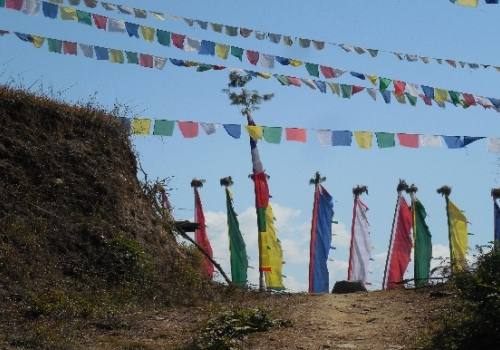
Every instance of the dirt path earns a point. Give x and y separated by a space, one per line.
375 320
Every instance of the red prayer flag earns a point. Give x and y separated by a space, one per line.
261 190
399 87
188 129
178 40
14 4
469 100
200 235
100 21
327 72
400 248
294 81
146 60
69 48
356 89
408 140
253 57
295 134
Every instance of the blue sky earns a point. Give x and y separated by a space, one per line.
430 28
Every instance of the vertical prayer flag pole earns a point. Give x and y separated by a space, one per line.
360 247
316 181
445 191
495 193
401 187
411 190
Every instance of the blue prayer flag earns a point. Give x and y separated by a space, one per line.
341 138
49 10
132 29
101 53
492 1
178 63
470 139
428 91
24 37
321 85
358 75
386 94
283 60
495 102
207 48
453 141
234 130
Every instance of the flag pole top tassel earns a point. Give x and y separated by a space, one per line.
402 186
444 191
412 189
495 193
226 181
197 183
317 179
359 190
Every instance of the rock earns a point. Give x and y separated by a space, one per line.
342 287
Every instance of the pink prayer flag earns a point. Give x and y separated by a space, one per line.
427 100
399 87
218 67
69 48
100 21
178 40
295 134
328 72
146 60
253 57
294 81
188 129
469 99
14 4
356 89
408 140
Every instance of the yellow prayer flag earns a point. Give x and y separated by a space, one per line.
363 139
373 79
440 95
458 237
469 3
271 253
38 41
264 75
222 50
116 56
255 132
295 63
141 126
68 13
148 33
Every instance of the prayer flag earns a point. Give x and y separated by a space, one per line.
318 45
87 50
294 81
295 63
327 72
430 141
163 37
54 45
253 57
69 48
260 35
321 241
146 60
188 129
237 248
358 75
49 10
423 245
116 25
244 32
209 128
335 87
309 83
428 91
341 138
267 61
148 33
68 13
90 3
159 62
274 38
109 7
400 98
384 83
14 4
231 31
38 41
398 256
363 139
207 48
178 40
346 90
31 7
84 17
467 140
324 137
283 60
468 100
272 254
312 69
304 43
385 139
191 45
100 21
164 127
399 87
321 85
139 13
132 29
256 132
440 95
453 141
373 93
141 126
222 51
373 79
457 225
237 52
296 134
233 130
412 99
373 52
132 57
356 89
125 9
386 95
468 3
216 27
272 134
408 140
361 246
494 145
116 56
200 234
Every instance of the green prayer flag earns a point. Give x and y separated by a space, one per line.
282 79
231 31
346 90
237 248
216 27
423 245
312 69
261 219
203 67
237 52
385 139
132 57
164 127
84 17
455 97
2 3
412 99
163 37
272 134
384 83
54 45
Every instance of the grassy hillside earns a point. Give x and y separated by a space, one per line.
78 237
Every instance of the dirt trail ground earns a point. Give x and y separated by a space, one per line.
376 320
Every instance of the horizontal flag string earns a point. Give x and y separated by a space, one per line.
403 90
275 38
342 90
326 137
473 3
